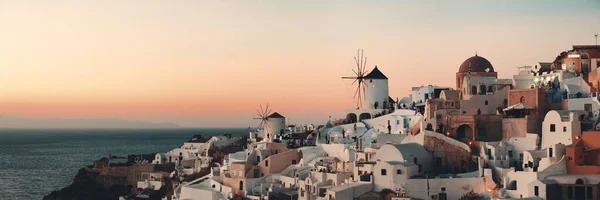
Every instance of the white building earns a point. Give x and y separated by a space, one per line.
561 126
398 122
524 78
423 93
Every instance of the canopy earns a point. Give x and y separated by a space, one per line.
519 106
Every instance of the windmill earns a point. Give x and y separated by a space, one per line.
359 77
263 116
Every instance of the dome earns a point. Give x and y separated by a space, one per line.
476 64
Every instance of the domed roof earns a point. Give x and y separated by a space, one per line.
476 64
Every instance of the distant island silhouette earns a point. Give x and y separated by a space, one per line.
76 123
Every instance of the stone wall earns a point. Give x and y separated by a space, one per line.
519 127
448 157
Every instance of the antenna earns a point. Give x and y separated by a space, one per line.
596 36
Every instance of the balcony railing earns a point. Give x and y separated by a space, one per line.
581 95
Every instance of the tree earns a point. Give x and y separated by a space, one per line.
471 195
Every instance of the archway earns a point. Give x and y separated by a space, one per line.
364 116
351 118
473 90
464 132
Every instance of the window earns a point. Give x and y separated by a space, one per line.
564 129
550 152
570 192
383 172
536 191
257 158
398 171
510 154
266 163
590 193
241 185
552 127
482 89
521 156
481 132
486 102
397 121
294 162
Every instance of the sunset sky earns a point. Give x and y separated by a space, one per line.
212 63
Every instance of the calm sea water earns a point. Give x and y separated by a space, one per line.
34 163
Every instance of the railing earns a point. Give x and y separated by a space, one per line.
581 95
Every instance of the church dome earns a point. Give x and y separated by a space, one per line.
476 64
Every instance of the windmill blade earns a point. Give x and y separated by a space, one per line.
365 67
267 111
354 81
260 125
362 54
355 72
261 110
357 91
259 114
346 77
356 61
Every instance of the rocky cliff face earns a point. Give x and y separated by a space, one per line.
89 186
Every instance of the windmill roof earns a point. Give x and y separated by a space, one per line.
275 115
375 74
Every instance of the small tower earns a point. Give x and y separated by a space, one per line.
376 90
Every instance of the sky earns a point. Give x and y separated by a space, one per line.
213 63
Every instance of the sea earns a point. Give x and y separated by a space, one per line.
35 162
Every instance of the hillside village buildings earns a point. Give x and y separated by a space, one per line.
533 136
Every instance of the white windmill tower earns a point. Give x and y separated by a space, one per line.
271 124
377 92
372 87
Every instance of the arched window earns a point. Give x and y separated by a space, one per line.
490 89
241 185
473 90
486 102
579 181
522 99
